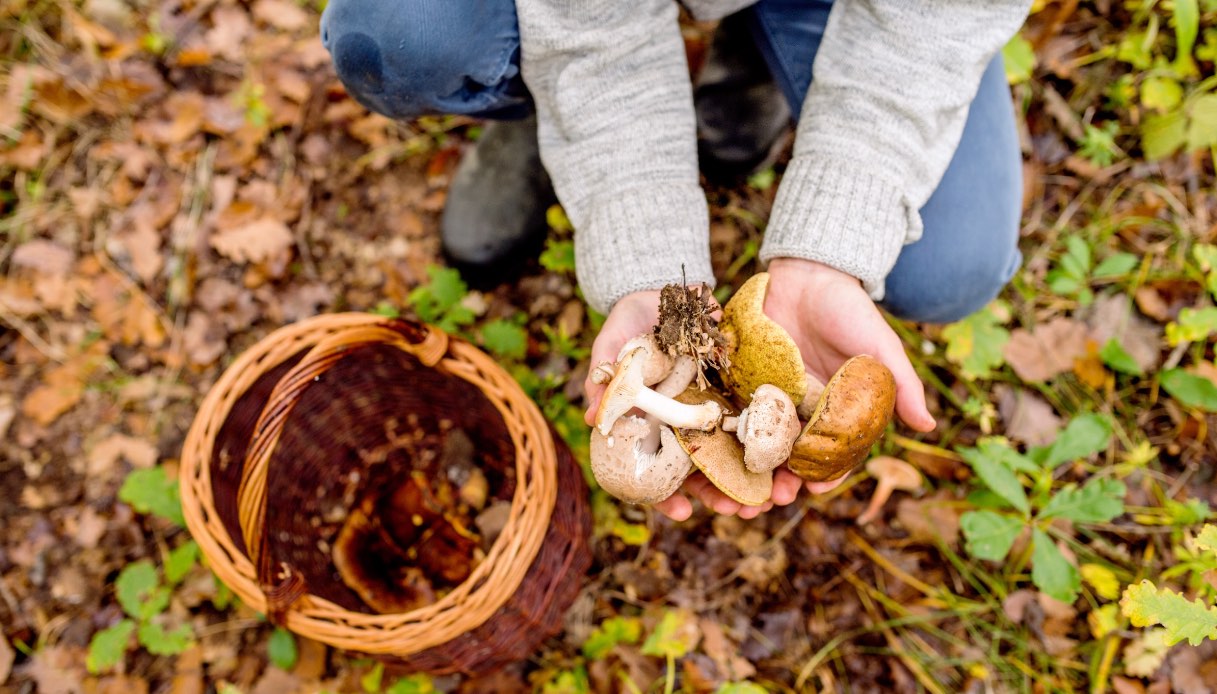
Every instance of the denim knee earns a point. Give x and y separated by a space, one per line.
951 287
406 58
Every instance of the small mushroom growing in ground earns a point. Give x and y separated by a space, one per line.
767 427
639 462
850 416
626 391
720 456
891 474
760 350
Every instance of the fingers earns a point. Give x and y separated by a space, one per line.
676 507
710 496
910 393
785 486
824 487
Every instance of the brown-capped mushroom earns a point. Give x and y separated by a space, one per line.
639 462
720 456
767 427
891 474
626 391
760 350
374 567
850 415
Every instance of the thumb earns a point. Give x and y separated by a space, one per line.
910 392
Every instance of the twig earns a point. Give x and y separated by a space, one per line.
31 335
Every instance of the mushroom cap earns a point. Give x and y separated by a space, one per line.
720 456
657 363
851 414
373 568
625 470
684 371
769 429
761 351
621 391
894 472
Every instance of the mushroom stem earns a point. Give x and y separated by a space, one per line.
677 414
883 492
733 422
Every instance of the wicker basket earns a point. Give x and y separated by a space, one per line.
292 420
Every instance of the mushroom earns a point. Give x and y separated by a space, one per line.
684 370
720 456
892 474
639 462
374 567
760 350
767 427
626 391
658 363
814 389
850 415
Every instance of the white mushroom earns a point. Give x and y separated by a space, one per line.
684 370
892 474
659 364
626 391
767 427
639 462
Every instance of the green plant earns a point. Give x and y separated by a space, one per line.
144 598
151 491
1098 143
1019 496
1145 603
975 343
439 302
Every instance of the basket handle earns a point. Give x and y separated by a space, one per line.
282 586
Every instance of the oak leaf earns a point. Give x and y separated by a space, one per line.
256 242
1047 351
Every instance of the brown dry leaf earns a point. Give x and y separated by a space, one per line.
57 102
1015 604
43 256
930 520
63 386
188 672
256 242
310 665
204 339
302 301
57 669
281 14
1047 351
8 412
1194 670
231 28
1027 416
27 154
1112 317
105 454
88 528
186 111
16 96
1123 685
142 246
276 681
116 684
1089 367
123 318
724 653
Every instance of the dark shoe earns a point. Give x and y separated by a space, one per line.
494 219
741 113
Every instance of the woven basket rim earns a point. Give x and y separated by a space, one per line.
468 605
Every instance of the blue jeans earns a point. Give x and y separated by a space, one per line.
405 58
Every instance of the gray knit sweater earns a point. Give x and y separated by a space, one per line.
893 81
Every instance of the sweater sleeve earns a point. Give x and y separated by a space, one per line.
617 134
886 109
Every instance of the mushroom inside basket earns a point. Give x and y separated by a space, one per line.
388 485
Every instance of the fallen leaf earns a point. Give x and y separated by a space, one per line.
1015 604
188 672
1123 685
256 242
276 681
63 386
43 256
109 451
1112 317
1188 672
1146 653
1089 367
27 154
1049 350
204 339
8 412
143 249
723 652
231 28
280 14
57 669
930 520
1027 416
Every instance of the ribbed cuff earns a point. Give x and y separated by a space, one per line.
828 211
637 239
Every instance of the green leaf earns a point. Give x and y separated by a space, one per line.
371 680
1099 146
150 490
1019 59
1077 259
1116 265
505 339
180 561
414 684
109 646
611 632
1051 572
1085 435
1104 581
990 535
558 256
1117 358
281 649
1206 257
161 642
1192 325
1161 93
138 590
1145 604
1163 135
1190 390
976 342
1098 501
632 534
997 477
1188 512
673 637
572 681
763 179
557 220
1207 539
1202 123
1186 18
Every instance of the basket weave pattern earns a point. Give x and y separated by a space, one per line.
302 420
